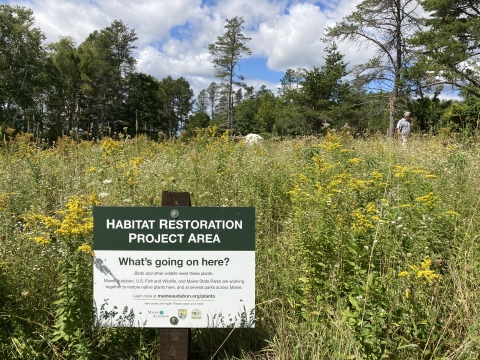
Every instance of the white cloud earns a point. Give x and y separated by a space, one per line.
287 32
292 40
174 62
151 19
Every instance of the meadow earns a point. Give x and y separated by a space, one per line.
364 249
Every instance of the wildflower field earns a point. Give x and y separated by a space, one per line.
365 250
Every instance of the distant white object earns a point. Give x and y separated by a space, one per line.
253 138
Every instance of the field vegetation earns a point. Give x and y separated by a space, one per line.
364 249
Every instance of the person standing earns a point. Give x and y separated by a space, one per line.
404 126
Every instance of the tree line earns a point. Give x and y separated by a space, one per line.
90 90
94 90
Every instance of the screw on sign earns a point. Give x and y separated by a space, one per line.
175 344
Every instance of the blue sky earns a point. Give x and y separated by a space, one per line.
173 35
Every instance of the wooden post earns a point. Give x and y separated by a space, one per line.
175 344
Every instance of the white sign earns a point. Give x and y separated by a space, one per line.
165 282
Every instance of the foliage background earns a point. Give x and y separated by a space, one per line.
365 249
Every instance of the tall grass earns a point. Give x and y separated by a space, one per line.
365 250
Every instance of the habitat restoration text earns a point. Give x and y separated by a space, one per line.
163 224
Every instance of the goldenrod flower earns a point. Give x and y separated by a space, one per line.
109 146
400 171
357 184
355 160
41 240
423 271
94 199
371 208
376 175
426 263
330 146
419 171
77 220
136 161
361 224
86 249
429 200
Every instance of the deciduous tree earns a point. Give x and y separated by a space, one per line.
382 25
22 59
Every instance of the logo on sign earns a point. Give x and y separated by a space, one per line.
196 314
182 313
174 320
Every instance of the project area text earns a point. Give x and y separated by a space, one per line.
177 224
173 238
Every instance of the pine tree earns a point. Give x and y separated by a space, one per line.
227 52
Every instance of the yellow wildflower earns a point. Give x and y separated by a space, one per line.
321 165
376 175
355 160
330 146
333 184
404 274
131 181
108 146
360 224
429 200
428 275
86 249
426 263
357 184
302 178
136 161
423 271
371 208
76 219
400 171
94 199
41 240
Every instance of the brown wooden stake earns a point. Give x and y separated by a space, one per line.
175 344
